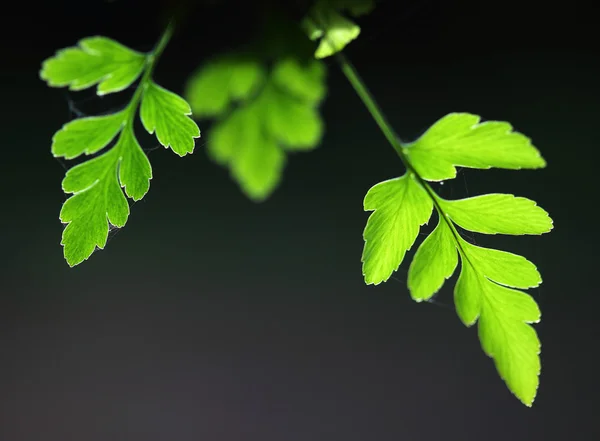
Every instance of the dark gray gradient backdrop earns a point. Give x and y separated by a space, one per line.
209 317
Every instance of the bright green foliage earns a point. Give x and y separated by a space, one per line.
400 207
434 262
326 22
97 60
97 197
458 139
135 171
97 200
498 214
260 115
503 313
86 135
167 114
221 82
487 289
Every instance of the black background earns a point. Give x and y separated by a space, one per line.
211 317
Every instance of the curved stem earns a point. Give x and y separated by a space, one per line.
151 61
163 41
369 102
387 130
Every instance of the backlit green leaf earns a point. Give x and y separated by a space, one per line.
135 171
506 337
222 81
97 200
484 292
502 267
97 60
167 114
434 262
280 114
306 81
295 124
467 294
459 139
400 206
86 135
326 23
259 165
254 158
499 214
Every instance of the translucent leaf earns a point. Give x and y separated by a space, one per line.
326 22
97 196
97 200
230 133
86 135
434 262
97 60
259 165
459 139
336 34
135 170
281 115
400 206
503 315
255 159
499 213
304 80
295 124
167 114
467 294
503 267
506 337
484 290
213 88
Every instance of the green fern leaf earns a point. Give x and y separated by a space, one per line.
260 115
459 139
97 60
327 24
97 200
487 289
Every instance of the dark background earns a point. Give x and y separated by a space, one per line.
209 317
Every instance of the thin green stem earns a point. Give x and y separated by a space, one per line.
387 130
164 40
151 61
369 102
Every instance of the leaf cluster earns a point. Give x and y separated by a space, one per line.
262 113
97 200
264 110
488 290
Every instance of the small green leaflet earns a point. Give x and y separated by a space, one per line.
97 60
458 139
488 290
97 200
400 207
260 115
326 23
166 114
221 82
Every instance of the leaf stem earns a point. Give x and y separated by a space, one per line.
363 92
163 41
151 61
